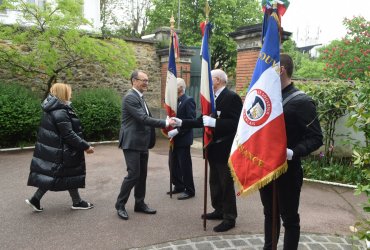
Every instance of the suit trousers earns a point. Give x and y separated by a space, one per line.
182 169
222 190
288 190
137 167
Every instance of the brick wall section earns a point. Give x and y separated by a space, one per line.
246 61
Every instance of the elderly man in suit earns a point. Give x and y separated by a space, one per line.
225 123
137 135
179 156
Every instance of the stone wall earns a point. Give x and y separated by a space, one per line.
94 76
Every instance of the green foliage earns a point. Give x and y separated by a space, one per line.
304 66
100 113
349 57
20 113
359 119
54 42
339 170
311 68
332 100
225 15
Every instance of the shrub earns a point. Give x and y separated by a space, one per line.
20 114
100 113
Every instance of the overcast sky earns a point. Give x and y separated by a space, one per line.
321 21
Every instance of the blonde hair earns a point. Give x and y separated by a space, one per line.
61 91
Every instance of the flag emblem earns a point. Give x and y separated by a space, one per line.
258 107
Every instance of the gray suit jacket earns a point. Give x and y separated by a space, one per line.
137 126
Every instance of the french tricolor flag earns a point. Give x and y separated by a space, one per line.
206 85
258 153
170 102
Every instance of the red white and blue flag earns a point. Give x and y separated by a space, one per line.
170 100
206 85
258 153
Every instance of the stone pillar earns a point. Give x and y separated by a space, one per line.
182 67
162 35
248 39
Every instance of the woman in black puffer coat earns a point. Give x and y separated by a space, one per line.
58 162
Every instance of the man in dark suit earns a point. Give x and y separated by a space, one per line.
179 156
137 135
225 123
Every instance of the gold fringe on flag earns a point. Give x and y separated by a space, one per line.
259 184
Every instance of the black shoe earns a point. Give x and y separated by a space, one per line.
176 191
185 196
213 216
35 204
122 213
143 208
224 226
82 205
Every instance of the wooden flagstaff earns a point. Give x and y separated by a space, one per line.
274 216
206 10
172 27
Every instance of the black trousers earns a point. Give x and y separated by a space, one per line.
222 190
137 166
288 190
182 169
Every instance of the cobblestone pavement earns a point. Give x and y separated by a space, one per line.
255 242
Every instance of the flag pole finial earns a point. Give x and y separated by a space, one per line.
172 22
275 5
207 9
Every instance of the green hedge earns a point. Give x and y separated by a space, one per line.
100 113
20 113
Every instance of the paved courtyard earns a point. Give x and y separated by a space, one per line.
326 211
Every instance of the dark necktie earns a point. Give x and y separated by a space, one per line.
145 106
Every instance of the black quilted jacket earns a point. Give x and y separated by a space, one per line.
58 162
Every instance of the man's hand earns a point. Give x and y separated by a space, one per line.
173 133
209 121
90 150
289 154
176 122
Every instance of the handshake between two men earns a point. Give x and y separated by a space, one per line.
208 121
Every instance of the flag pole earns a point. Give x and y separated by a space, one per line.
207 10
205 189
274 199
172 22
274 216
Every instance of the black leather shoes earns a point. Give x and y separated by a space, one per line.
144 209
122 213
185 196
213 216
224 226
175 191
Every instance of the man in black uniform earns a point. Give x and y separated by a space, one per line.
225 123
303 137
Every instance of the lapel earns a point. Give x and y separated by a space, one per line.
181 102
220 96
141 100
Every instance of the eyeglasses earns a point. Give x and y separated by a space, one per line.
142 80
